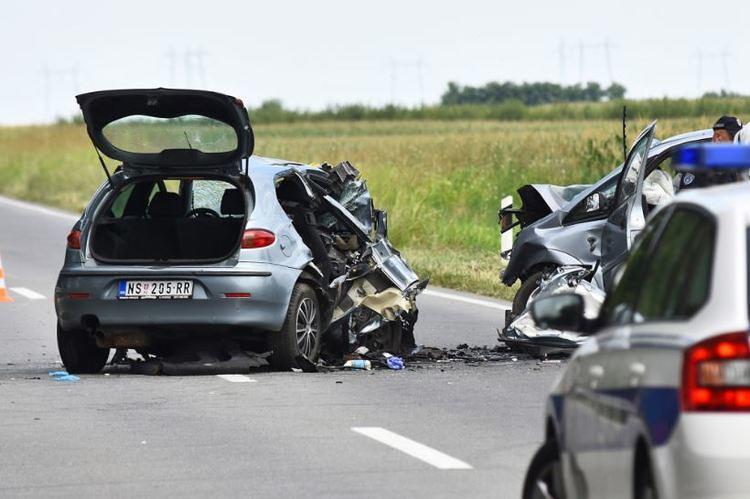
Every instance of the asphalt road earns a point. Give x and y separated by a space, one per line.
439 430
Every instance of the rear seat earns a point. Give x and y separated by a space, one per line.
167 235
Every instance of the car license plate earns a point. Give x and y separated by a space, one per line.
155 290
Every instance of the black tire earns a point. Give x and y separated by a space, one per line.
645 485
524 292
300 334
79 352
544 476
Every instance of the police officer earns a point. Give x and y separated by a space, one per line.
725 130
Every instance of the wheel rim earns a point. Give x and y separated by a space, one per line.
307 326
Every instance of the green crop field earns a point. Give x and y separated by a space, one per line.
441 181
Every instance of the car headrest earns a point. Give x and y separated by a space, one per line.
232 202
166 205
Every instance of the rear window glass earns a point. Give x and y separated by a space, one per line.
192 198
148 135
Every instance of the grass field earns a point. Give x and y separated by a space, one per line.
441 181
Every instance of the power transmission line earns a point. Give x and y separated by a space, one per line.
171 56
561 60
581 52
65 77
193 67
701 57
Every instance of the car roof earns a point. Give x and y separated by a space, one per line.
719 199
683 138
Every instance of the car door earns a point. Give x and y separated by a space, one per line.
674 288
628 217
597 403
582 428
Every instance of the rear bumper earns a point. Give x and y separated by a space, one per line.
707 456
270 287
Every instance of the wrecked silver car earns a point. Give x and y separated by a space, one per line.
193 238
564 226
636 193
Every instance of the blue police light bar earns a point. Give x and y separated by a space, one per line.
712 157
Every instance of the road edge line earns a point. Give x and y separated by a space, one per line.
38 208
466 299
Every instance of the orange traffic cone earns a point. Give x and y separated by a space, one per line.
4 296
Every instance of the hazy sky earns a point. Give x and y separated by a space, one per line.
311 54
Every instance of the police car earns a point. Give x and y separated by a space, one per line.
656 403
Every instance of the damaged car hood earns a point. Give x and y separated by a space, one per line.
539 200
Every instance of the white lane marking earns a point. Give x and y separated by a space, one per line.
237 378
408 446
28 293
465 299
39 209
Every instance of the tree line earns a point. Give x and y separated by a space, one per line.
530 94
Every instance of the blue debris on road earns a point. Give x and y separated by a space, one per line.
395 363
63 376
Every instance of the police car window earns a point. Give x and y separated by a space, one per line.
620 304
677 283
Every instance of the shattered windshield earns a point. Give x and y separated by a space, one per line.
148 135
357 200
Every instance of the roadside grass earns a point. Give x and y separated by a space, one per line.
440 181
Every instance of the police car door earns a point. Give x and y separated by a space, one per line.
627 218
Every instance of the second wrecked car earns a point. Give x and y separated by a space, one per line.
564 226
193 236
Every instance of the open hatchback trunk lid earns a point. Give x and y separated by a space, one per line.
168 129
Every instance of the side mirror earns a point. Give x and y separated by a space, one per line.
594 202
563 312
381 220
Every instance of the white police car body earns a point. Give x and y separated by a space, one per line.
657 402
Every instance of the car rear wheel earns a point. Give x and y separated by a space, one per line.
544 476
79 352
645 488
300 335
524 292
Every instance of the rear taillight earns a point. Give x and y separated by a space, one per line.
74 239
257 238
716 374
79 296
